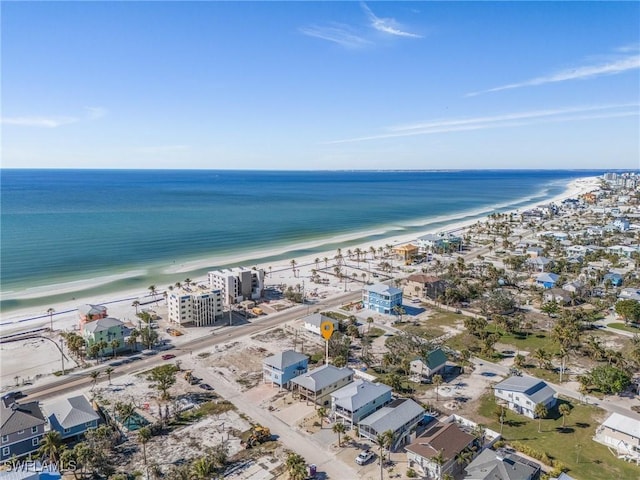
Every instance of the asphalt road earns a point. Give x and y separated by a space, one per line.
74 381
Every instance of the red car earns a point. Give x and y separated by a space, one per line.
168 356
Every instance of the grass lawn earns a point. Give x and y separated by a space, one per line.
626 328
573 445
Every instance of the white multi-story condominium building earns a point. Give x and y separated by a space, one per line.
195 309
238 284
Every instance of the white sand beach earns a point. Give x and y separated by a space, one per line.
120 303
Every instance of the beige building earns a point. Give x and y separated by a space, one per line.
237 284
317 385
621 433
194 309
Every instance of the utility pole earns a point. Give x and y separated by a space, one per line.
62 354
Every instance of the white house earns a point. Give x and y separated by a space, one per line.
522 394
401 417
621 433
425 367
312 322
360 398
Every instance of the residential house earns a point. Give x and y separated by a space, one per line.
21 427
557 295
614 279
522 393
422 369
621 433
381 298
360 398
317 385
440 242
281 368
629 293
89 313
575 287
547 280
198 308
539 264
405 252
500 465
312 322
435 452
401 417
424 285
237 284
105 330
534 251
72 417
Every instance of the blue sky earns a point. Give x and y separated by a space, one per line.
321 85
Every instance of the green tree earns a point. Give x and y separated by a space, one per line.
322 413
163 378
629 310
144 435
296 466
125 411
395 381
437 381
202 468
609 379
94 378
51 446
114 346
339 428
108 371
550 308
540 412
565 411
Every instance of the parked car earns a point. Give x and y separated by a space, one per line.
205 386
364 456
168 356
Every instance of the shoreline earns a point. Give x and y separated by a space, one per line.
278 258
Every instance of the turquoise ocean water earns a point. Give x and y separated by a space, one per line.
109 230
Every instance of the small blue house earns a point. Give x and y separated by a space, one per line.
281 368
547 280
614 278
381 298
72 417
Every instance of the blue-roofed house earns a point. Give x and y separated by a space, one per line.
360 398
547 280
281 368
522 393
72 417
381 298
317 385
614 278
401 416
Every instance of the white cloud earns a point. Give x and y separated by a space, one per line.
386 25
505 120
41 121
337 33
614 67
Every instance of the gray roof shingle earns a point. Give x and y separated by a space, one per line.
284 359
15 417
73 411
358 393
322 377
393 416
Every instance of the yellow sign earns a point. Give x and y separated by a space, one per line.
326 329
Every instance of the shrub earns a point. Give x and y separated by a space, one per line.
411 473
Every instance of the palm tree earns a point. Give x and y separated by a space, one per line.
125 411
369 322
144 435
51 446
202 468
541 356
564 410
50 312
540 412
108 371
114 346
381 442
296 466
339 428
439 460
293 266
94 378
322 413
437 381
136 304
152 290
